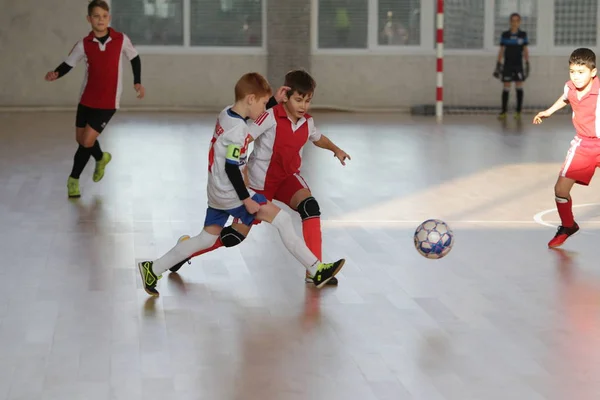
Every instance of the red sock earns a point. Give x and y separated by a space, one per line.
565 211
311 230
213 247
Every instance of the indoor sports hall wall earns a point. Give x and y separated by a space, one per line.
365 54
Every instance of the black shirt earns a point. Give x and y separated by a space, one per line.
513 43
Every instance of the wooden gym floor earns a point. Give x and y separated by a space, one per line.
501 317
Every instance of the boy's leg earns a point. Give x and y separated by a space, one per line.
151 271
230 236
519 90
89 124
505 94
98 120
281 220
579 167
295 193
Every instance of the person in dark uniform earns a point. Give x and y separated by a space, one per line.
513 49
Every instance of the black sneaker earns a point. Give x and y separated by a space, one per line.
177 266
149 278
325 272
332 282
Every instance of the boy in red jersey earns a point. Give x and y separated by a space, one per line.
102 50
582 159
279 135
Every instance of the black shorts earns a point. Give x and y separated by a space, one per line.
513 73
96 118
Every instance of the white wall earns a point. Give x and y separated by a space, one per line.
36 36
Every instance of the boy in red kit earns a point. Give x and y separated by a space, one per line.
102 51
581 92
279 135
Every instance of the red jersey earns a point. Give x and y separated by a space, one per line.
586 111
103 82
277 146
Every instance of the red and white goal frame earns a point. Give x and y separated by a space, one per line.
439 97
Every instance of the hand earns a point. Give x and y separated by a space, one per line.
538 118
251 206
281 94
51 76
141 92
341 155
498 71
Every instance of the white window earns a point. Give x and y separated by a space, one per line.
527 9
343 24
464 22
149 22
191 23
575 22
399 22
224 23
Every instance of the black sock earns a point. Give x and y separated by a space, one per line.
82 155
504 100
96 151
519 99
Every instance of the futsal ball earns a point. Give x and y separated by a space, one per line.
433 239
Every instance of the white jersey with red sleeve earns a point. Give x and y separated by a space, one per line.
103 82
230 129
278 143
586 111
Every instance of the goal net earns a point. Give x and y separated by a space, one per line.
554 28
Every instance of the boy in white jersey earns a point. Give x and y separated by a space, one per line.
228 195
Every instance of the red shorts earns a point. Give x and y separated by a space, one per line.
282 191
582 160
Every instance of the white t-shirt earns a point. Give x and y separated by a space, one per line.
229 144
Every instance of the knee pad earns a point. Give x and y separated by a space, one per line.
230 237
309 208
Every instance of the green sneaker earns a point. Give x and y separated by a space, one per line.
502 116
327 271
517 115
100 166
73 188
149 278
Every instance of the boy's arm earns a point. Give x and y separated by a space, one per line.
560 103
134 58
324 142
75 55
232 166
262 124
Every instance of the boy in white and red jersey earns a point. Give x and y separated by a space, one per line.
280 133
582 159
228 195
103 50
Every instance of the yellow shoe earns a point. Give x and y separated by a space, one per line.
73 188
100 166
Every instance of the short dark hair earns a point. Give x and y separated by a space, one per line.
300 81
97 3
514 15
583 56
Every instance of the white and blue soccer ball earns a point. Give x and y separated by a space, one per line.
433 239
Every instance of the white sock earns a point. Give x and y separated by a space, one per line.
295 244
184 250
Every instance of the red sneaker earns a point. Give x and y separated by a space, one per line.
562 234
